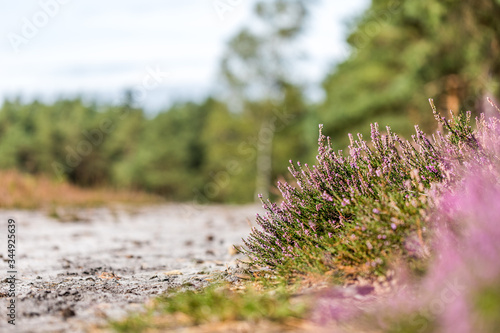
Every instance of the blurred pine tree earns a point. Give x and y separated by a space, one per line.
404 52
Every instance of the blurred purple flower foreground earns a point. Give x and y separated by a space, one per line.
460 291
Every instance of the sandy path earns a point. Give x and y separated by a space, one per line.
75 274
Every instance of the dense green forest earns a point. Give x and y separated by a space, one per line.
236 143
191 151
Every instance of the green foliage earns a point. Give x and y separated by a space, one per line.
487 305
190 152
258 80
403 52
218 303
214 304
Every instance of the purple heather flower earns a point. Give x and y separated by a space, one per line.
393 226
327 197
431 168
376 211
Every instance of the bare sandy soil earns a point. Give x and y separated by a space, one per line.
92 265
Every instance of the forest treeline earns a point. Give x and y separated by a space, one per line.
238 142
191 151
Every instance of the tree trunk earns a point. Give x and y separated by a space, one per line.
264 159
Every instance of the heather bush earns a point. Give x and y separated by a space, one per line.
355 213
460 291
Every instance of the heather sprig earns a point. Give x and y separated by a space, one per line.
354 212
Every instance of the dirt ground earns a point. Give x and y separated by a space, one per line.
86 266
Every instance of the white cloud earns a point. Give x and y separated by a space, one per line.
103 47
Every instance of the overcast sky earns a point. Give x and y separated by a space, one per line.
52 48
